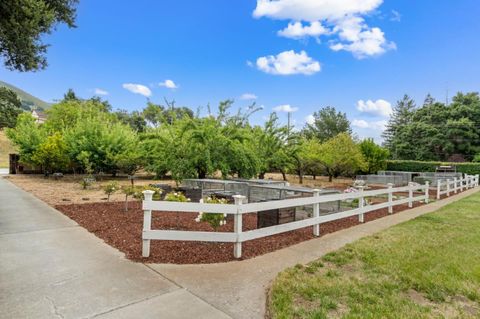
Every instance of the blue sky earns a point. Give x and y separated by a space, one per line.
357 55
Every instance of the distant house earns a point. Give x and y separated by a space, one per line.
40 117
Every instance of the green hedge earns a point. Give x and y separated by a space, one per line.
419 166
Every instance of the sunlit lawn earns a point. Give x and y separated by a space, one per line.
426 268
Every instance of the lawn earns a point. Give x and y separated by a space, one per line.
6 148
425 268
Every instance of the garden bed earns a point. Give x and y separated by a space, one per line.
123 230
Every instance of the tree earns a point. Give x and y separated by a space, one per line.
375 156
105 144
270 143
327 124
394 134
70 96
27 135
51 154
340 156
23 23
10 107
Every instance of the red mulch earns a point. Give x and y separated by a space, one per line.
123 230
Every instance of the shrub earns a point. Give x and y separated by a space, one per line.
86 182
419 166
110 188
176 197
214 219
138 192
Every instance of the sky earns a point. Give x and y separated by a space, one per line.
297 56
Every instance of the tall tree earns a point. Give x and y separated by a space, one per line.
328 123
23 23
10 107
398 123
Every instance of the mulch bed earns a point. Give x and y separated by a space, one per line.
123 230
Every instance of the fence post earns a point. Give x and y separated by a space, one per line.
427 192
361 204
439 188
147 223
316 213
448 188
476 179
455 184
237 226
390 198
410 195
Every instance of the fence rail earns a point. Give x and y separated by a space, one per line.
239 208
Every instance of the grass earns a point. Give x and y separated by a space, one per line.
428 267
6 148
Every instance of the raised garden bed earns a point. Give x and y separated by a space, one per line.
123 230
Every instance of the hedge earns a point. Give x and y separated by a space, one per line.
419 166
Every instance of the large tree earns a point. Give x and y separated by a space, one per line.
23 23
394 134
340 155
10 107
327 123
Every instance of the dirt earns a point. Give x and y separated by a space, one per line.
68 190
123 230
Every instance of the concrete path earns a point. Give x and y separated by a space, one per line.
52 268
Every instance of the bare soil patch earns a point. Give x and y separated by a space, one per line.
123 230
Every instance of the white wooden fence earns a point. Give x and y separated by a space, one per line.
239 208
456 185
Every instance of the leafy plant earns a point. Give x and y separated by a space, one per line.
110 188
214 219
176 197
138 192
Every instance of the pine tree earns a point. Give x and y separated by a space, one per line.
399 121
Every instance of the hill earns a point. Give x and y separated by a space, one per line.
27 99
6 148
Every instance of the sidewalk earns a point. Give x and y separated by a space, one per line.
52 268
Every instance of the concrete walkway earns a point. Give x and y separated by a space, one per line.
51 267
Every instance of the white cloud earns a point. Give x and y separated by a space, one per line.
137 89
287 63
379 107
375 125
313 10
98 91
345 17
310 119
248 96
358 38
168 84
287 108
298 31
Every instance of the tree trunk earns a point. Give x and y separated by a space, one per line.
261 175
284 175
201 173
300 176
330 178
314 177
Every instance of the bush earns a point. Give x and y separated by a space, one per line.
214 219
419 166
176 197
110 188
138 192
